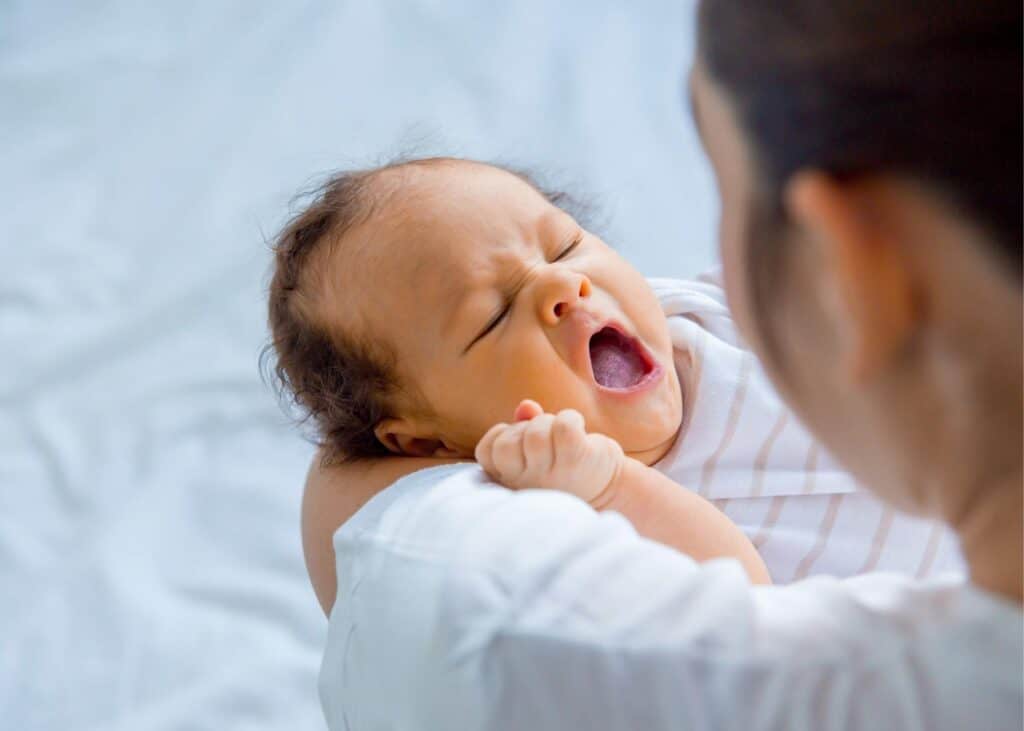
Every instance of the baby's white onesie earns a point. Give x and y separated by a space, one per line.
743 449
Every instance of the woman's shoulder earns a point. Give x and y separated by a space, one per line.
333 494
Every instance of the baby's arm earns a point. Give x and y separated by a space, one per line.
333 495
661 510
556 452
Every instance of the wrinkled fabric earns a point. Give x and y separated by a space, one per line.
151 574
463 605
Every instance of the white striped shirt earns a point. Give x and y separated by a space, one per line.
743 449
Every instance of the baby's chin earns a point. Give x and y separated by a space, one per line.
648 428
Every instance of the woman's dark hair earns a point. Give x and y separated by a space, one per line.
345 384
932 91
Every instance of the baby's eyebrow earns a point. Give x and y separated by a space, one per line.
452 306
553 228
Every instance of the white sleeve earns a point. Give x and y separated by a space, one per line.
471 607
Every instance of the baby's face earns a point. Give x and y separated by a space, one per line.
488 294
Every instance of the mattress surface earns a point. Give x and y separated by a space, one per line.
150 562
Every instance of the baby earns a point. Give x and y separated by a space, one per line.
416 307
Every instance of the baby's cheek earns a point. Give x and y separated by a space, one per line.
547 381
529 379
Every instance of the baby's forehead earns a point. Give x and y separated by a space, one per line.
444 194
428 228
451 217
421 228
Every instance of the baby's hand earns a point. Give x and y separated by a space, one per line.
550 451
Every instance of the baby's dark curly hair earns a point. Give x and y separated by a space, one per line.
344 384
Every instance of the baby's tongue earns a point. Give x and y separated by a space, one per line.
615 365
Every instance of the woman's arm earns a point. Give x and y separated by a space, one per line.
333 495
482 608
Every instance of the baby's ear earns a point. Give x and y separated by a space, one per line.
402 437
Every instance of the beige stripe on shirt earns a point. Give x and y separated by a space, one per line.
824 530
879 541
742 379
931 550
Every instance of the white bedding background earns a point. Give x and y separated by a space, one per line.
151 575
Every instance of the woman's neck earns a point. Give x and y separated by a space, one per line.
992 538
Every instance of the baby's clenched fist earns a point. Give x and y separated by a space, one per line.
552 451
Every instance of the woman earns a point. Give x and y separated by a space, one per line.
868 159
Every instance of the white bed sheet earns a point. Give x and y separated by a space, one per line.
150 565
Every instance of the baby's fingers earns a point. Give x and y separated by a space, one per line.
537 446
568 433
507 454
484 452
526 410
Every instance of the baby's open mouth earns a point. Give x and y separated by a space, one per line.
618 361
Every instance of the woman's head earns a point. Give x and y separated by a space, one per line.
869 160
413 307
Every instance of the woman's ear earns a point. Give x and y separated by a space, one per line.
404 437
863 264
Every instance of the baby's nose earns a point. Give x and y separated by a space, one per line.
560 294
